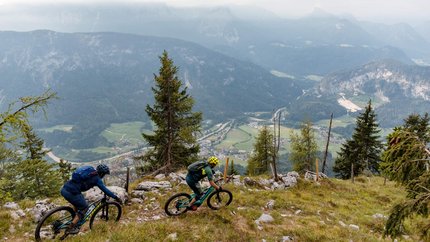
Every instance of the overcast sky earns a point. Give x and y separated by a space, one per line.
376 10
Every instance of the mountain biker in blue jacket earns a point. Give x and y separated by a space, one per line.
196 172
72 189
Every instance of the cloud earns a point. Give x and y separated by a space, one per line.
382 10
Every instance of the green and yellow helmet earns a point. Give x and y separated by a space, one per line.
213 161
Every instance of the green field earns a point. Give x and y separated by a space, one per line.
362 101
234 137
63 127
130 133
243 138
342 121
124 136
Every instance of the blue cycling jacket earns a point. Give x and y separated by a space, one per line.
76 188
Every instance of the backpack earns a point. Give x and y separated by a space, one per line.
197 166
83 173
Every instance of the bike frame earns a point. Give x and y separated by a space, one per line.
87 215
207 192
90 212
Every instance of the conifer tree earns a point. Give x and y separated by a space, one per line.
65 169
407 161
303 148
174 139
33 176
364 149
14 120
232 169
263 153
28 175
32 144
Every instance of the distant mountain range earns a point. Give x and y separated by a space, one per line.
108 76
226 57
320 43
396 89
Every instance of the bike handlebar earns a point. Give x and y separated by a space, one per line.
228 178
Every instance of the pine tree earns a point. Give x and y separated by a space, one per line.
363 150
65 169
7 155
174 139
407 161
419 125
303 148
32 177
263 153
232 170
32 144
29 176
347 157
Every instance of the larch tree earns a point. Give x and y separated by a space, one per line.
174 139
407 161
362 152
28 175
263 153
303 148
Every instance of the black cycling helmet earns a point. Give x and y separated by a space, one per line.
102 170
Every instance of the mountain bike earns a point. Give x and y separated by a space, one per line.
177 204
59 219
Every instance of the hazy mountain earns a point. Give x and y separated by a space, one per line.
317 44
107 77
402 36
396 89
424 30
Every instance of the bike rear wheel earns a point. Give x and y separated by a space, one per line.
53 223
219 199
177 204
109 212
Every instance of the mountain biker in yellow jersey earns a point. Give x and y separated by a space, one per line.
83 179
196 172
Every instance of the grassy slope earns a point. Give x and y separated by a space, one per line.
322 208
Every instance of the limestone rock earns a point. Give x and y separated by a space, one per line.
287 238
150 185
95 194
270 204
265 218
136 200
138 194
160 177
11 205
41 208
354 227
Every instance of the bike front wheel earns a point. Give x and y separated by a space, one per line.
177 204
109 212
219 199
53 223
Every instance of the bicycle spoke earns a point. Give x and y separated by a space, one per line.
177 204
220 199
110 212
53 223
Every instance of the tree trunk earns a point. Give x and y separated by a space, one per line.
326 147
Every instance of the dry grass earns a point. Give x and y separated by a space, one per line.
308 212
